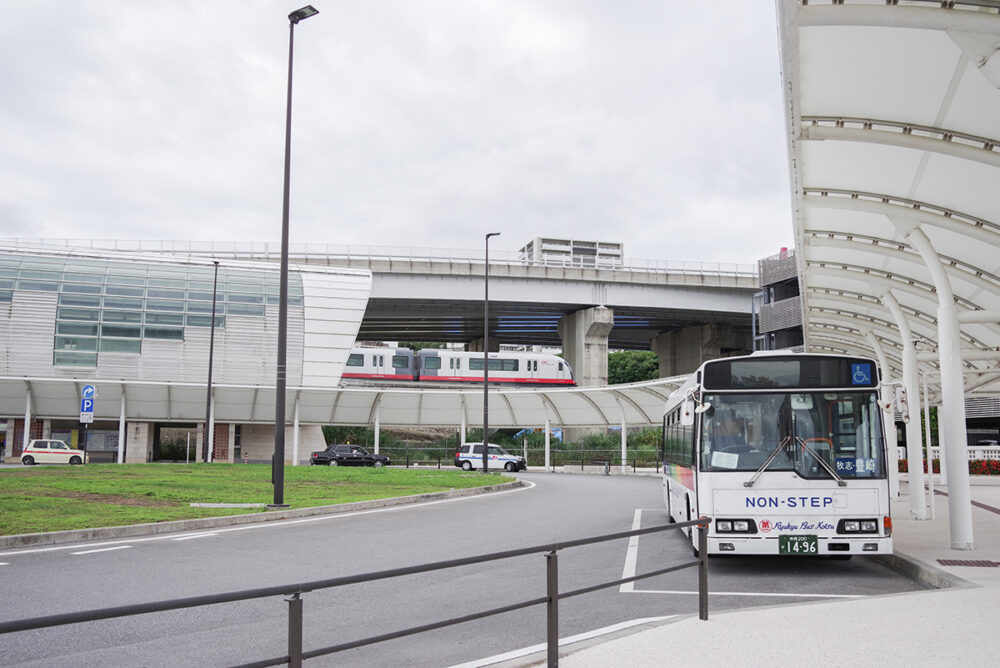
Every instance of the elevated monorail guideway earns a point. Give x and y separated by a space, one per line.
893 118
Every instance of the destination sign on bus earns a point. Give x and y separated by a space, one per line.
792 372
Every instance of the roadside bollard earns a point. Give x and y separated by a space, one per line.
607 468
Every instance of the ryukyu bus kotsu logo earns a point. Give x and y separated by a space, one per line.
766 526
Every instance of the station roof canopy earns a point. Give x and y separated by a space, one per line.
640 404
893 119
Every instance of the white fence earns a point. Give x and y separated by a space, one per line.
975 452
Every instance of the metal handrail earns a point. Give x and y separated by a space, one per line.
296 654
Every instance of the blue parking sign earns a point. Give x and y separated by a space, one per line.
86 405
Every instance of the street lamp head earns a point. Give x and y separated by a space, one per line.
492 234
302 13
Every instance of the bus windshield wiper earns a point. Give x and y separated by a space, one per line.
822 462
767 462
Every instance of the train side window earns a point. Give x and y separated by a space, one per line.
432 362
356 360
510 365
560 366
400 362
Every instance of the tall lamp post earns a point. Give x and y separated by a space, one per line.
486 353
278 459
209 436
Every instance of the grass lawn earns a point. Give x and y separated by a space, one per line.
54 498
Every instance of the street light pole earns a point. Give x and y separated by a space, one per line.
486 352
209 436
278 459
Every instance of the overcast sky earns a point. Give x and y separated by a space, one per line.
655 123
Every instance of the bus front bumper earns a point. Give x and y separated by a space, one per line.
827 546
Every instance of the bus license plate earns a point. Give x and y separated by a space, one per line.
798 545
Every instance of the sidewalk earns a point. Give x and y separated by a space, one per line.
955 625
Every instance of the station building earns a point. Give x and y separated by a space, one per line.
140 330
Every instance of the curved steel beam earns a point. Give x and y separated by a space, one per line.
934 140
892 206
883 247
626 398
960 16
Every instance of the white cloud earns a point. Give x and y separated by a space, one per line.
419 123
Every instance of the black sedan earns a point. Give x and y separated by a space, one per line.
348 455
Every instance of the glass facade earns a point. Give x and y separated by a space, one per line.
106 306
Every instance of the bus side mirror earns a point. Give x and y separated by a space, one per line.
687 413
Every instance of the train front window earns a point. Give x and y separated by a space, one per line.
811 433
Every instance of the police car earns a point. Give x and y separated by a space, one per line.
470 456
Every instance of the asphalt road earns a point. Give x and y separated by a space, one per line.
557 507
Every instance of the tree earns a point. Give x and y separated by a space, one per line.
632 366
417 346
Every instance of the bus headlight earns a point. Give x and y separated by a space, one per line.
735 526
866 525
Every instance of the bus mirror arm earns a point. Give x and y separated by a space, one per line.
774 453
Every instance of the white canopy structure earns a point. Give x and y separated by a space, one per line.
638 404
893 113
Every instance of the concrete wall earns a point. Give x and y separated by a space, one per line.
257 441
139 442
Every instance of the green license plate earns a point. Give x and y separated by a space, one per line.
798 545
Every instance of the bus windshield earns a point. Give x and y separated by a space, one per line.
811 433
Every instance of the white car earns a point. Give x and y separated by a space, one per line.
470 456
48 451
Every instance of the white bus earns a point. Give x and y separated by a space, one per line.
783 452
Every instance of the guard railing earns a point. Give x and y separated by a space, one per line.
296 654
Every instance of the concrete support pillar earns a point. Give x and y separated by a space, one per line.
27 419
210 430
682 351
378 426
295 432
121 430
584 337
476 345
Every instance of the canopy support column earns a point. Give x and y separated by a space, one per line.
952 436
914 455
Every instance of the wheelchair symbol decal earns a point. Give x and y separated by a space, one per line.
861 374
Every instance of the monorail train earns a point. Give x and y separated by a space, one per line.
456 366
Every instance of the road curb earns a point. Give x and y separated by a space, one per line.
921 571
132 530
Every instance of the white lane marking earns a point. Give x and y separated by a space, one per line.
631 554
631 558
587 635
197 535
269 525
746 593
103 549
4 563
